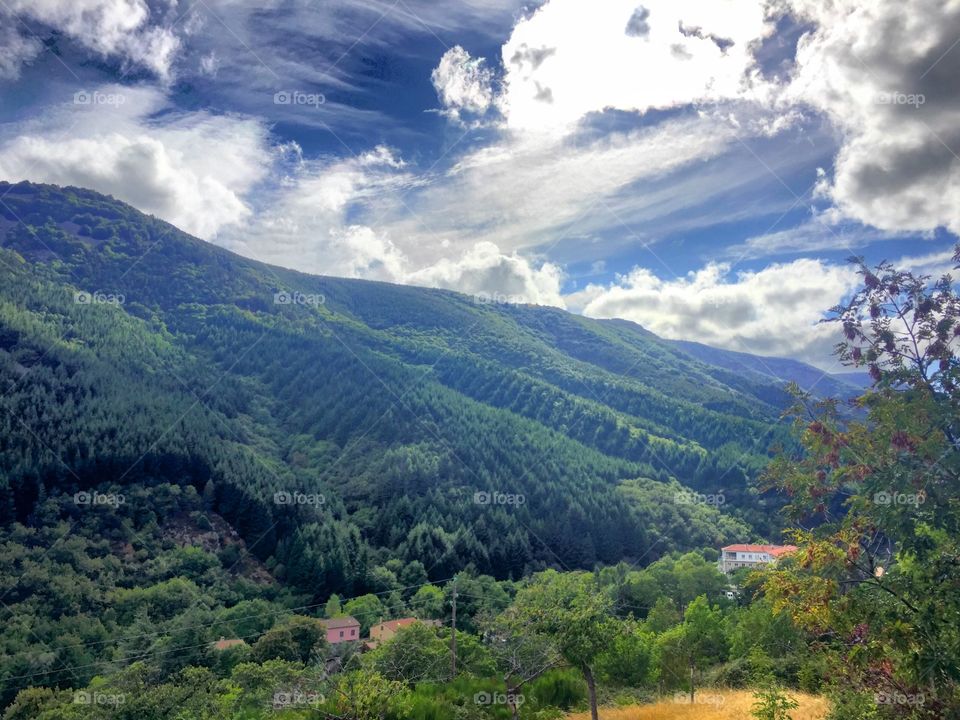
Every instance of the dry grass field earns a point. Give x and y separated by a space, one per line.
711 705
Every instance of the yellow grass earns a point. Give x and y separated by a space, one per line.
710 705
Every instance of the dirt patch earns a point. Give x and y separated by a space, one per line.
186 531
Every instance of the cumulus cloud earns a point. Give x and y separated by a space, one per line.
885 73
774 311
190 169
588 57
313 219
484 271
463 84
327 218
125 29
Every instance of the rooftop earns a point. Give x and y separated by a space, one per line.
396 624
340 622
774 550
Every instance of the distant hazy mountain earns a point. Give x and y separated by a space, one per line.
780 370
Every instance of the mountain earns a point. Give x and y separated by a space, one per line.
780 370
346 427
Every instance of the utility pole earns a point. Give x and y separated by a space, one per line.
453 635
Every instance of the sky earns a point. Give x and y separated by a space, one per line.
701 167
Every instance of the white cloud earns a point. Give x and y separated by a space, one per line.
534 191
819 233
774 311
571 58
192 170
935 264
463 84
313 219
15 50
486 272
885 73
308 223
110 28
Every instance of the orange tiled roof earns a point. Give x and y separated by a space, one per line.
396 624
774 550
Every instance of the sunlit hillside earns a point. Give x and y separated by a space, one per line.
710 705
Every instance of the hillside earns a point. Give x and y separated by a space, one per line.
809 378
132 353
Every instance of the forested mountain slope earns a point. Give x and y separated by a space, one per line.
809 378
134 354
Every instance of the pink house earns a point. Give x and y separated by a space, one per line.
341 629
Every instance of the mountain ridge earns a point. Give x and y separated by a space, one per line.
397 404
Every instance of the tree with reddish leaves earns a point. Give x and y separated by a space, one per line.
876 504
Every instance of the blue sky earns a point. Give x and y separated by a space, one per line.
702 167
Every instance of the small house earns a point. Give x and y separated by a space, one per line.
733 557
341 629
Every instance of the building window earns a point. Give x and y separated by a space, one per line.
341 633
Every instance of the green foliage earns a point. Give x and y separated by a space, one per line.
415 654
545 405
877 575
428 603
271 457
367 609
628 660
772 703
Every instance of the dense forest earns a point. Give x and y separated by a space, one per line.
134 354
197 446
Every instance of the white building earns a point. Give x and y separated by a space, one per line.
751 556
